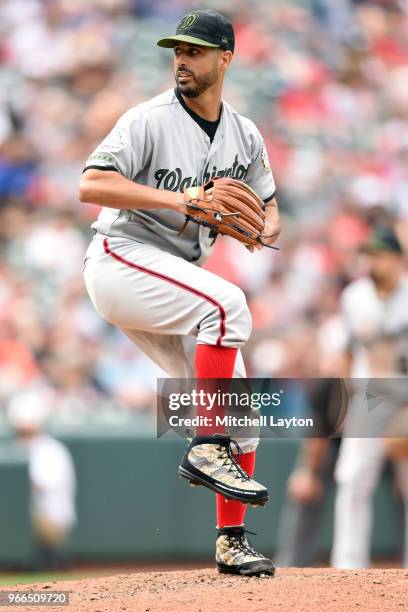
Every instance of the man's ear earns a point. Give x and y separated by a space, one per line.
226 58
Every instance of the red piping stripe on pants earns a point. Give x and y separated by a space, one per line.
173 281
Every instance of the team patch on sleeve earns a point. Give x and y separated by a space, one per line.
101 159
264 159
115 141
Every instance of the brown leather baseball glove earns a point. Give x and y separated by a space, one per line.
232 209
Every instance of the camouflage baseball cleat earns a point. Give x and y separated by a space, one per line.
209 461
235 555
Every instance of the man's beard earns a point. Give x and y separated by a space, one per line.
376 277
201 84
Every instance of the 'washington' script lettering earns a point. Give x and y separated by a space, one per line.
173 180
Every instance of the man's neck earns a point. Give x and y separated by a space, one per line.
386 286
207 105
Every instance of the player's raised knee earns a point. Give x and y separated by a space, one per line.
239 314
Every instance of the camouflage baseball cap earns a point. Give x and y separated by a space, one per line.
204 28
382 239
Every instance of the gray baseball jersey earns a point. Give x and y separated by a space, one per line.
376 328
158 144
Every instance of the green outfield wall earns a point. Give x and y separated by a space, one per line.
133 506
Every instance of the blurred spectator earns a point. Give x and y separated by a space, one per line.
52 480
311 481
374 310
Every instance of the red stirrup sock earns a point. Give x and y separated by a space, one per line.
229 512
212 362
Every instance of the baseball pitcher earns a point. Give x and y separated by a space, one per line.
173 173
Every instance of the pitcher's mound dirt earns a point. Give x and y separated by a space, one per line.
292 590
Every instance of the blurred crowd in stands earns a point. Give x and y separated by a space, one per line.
326 81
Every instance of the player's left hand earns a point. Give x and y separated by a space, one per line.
272 227
233 209
266 237
252 248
